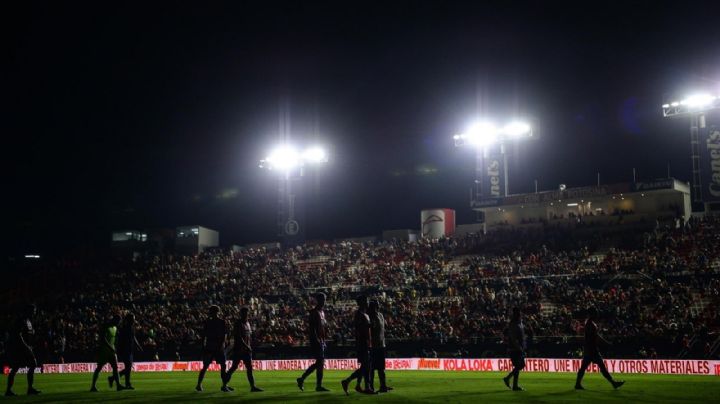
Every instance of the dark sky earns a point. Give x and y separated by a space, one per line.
135 115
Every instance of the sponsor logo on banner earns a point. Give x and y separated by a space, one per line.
6 370
429 221
653 185
494 182
401 364
475 365
429 364
485 203
711 169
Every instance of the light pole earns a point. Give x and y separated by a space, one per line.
289 163
695 106
484 135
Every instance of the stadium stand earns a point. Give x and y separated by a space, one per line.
658 291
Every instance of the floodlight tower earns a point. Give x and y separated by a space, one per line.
483 135
695 106
290 163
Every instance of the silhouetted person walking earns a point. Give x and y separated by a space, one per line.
364 344
516 348
377 328
20 352
591 353
107 353
126 345
317 334
242 350
214 339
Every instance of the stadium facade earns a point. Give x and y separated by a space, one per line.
660 200
184 240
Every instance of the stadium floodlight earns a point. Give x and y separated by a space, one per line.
284 157
287 158
484 134
693 106
315 155
698 100
517 129
288 163
481 134
693 103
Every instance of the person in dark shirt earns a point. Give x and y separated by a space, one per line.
107 353
214 339
591 353
126 347
20 352
363 341
317 331
242 350
377 328
516 348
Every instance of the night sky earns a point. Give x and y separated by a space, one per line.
121 115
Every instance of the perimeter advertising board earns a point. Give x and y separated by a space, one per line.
549 365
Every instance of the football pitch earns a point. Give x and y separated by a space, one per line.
410 387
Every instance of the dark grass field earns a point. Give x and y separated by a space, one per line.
410 387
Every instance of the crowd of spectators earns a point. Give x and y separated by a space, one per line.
664 285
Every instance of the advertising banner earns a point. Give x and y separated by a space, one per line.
493 181
552 365
710 163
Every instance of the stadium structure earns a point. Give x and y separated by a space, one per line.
652 201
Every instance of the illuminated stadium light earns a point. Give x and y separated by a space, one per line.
694 103
287 158
484 133
315 155
481 134
283 158
32 256
694 106
698 100
517 129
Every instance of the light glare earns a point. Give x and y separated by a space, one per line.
698 100
482 134
315 155
516 129
284 157
287 158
